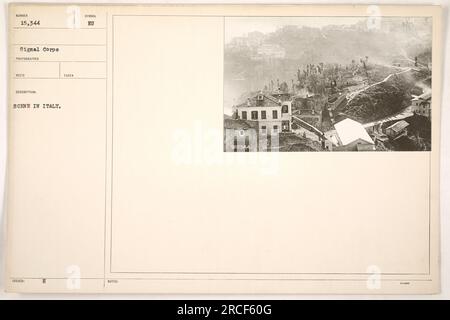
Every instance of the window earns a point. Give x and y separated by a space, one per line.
263 129
284 109
244 115
260 100
263 114
254 115
274 114
275 129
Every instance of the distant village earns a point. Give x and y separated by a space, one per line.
311 112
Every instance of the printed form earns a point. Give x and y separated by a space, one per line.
223 149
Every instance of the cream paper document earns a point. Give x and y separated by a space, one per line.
223 149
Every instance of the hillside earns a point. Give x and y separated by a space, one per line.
379 101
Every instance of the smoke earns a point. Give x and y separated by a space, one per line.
424 87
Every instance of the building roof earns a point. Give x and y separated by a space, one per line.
267 101
349 130
398 126
425 96
333 97
238 124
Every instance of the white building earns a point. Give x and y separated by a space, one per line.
421 105
351 136
273 115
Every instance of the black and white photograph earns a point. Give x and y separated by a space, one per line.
241 151
327 84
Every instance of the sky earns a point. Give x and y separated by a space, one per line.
240 26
